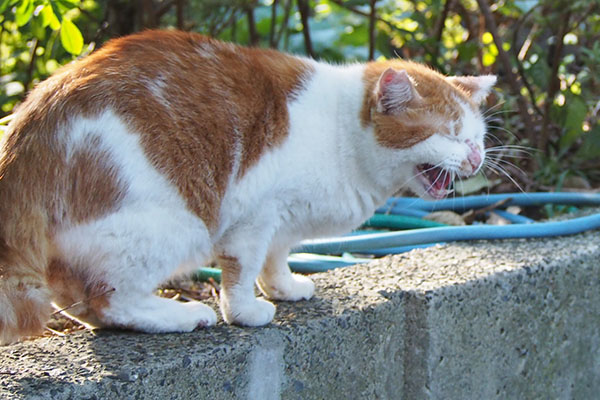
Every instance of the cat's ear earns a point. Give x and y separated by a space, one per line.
477 87
395 91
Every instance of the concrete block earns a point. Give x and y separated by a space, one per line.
505 319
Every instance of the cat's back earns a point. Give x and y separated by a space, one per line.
171 72
202 111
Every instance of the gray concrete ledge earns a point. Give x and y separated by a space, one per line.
511 319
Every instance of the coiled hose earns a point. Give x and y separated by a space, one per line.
406 213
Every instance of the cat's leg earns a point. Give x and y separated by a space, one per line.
132 252
277 282
241 256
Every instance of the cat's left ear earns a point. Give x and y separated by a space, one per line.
395 91
477 87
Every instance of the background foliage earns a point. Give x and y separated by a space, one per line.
545 52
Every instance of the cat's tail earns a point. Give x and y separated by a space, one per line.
24 294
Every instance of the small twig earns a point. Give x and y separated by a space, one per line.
340 3
216 29
470 215
54 332
83 301
284 24
31 67
216 288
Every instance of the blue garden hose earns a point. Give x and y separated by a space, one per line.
364 243
381 243
479 201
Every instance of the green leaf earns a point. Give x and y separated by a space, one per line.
37 29
467 51
49 18
474 184
71 37
3 5
590 148
61 7
67 4
576 113
56 10
24 12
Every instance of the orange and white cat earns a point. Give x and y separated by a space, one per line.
165 150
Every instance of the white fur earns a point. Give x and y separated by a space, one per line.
327 177
135 248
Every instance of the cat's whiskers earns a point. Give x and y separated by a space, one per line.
502 152
504 163
499 169
493 108
503 129
513 147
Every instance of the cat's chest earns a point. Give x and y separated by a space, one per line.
299 205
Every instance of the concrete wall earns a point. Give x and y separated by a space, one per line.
511 319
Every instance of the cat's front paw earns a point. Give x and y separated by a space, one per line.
256 312
298 287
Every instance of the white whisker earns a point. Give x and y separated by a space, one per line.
498 169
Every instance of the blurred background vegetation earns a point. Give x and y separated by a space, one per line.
545 52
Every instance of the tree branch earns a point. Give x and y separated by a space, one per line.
304 9
439 28
179 14
273 24
164 8
372 21
252 26
364 14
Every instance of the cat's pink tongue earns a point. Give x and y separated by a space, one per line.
436 180
442 182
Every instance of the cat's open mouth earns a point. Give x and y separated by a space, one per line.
436 181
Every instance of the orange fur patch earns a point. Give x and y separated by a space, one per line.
171 87
70 287
231 270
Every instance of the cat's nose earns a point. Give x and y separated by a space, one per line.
473 160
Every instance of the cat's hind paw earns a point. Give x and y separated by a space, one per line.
256 312
298 287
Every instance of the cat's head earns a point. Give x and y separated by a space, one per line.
431 121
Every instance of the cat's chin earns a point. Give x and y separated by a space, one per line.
435 182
